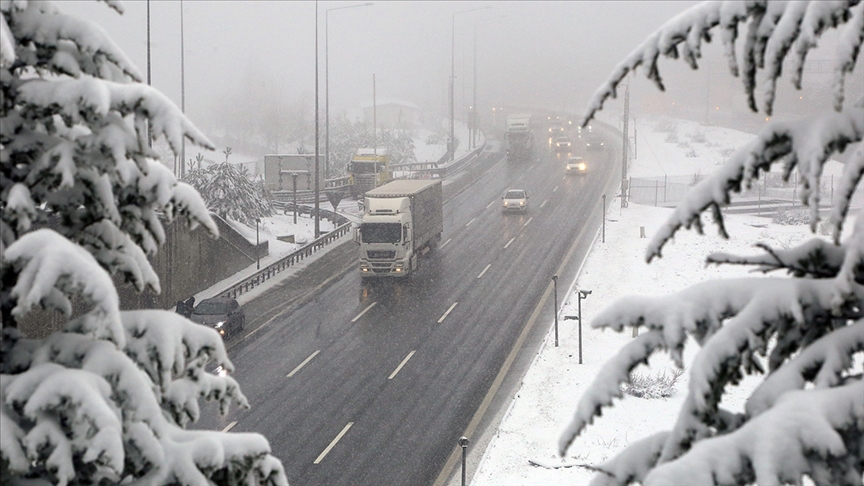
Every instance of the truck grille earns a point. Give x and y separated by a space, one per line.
381 254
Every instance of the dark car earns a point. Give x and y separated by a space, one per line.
221 313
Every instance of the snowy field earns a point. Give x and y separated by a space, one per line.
523 450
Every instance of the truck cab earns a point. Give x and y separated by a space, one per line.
401 221
369 168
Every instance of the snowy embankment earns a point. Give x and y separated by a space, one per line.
523 449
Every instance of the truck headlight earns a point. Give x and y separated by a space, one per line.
219 324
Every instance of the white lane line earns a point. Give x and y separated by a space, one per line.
445 243
441 319
230 426
484 270
401 365
304 363
508 243
526 222
491 203
332 444
469 222
544 203
358 316
556 188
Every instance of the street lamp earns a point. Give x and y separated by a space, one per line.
555 283
463 443
451 147
582 294
327 84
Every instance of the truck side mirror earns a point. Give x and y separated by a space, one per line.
356 235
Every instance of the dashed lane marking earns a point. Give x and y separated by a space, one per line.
358 316
304 363
441 319
333 443
401 365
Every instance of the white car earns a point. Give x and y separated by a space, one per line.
576 165
515 200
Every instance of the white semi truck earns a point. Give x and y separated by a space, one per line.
519 136
403 219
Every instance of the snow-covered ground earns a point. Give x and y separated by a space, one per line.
556 381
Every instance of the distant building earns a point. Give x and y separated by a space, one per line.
280 170
391 113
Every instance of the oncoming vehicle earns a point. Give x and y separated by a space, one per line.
594 143
221 313
562 144
515 200
576 165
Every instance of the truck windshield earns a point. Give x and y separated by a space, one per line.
364 167
381 232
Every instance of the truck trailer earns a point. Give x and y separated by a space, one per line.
520 137
403 219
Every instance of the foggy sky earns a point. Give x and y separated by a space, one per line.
546 53
543 54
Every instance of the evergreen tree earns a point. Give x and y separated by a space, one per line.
229 192
107 399
803 332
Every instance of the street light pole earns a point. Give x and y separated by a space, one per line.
182 170
327 84
451 145
555 282
582 294
317 129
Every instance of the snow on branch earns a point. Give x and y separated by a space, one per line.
815 258
823 363
806 433
607 384
633 463
51 270
805 144
754 313
43 24
80 401
85 99
774 29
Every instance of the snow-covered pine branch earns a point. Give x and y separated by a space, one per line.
804 145
807 433
107 399
40 27
773 30
804 331
815 258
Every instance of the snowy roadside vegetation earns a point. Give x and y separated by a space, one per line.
107 399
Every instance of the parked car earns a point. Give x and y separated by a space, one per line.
576 165
515 200
221 313
562 144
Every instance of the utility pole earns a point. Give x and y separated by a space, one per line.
317 129
182 171
626 145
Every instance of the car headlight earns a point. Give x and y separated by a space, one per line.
521 203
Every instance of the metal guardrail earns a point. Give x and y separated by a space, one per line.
284 263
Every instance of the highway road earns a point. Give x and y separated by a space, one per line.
372 383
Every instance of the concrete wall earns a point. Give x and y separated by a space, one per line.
190 261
